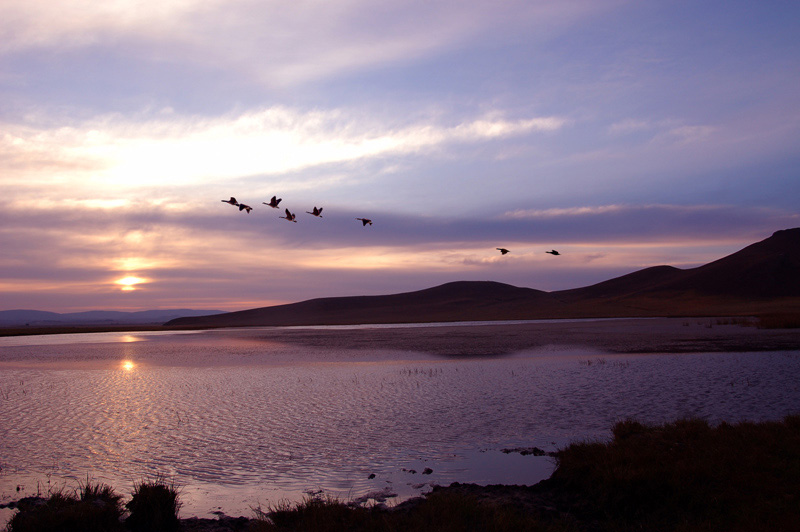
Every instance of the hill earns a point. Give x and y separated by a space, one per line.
456 301
40 318
761 278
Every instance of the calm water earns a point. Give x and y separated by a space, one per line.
240 422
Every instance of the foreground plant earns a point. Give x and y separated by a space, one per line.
90 508
687 475
682 476
154 507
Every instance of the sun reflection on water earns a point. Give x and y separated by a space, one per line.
128 365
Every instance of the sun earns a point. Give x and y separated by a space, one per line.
129 283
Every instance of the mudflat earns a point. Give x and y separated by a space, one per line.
640 335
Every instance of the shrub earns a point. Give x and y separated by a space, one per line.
90 508
154 507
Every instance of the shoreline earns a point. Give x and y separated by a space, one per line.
465 339
613 336
682 475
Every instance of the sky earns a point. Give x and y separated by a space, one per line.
624 134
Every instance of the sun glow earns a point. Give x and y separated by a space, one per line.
130 282
127 365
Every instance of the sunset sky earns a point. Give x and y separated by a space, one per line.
623 134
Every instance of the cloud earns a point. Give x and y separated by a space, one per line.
568 211
628 126
280 44
116 151
213 256
688 134
652 223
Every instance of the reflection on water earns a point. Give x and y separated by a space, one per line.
86 338
236 431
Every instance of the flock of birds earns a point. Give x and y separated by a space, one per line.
290 216
317 211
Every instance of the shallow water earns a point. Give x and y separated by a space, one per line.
239 422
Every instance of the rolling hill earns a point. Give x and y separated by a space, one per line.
40 318
761 278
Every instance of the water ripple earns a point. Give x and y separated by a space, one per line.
294 427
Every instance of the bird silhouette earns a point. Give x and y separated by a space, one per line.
553 252
316 212
503 251
272 203
365 221
232 201
243 207
289 216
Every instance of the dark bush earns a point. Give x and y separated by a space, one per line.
153 507
91 508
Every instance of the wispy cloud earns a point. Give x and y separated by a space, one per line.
215 257
116 151
627 126
622 136
281 44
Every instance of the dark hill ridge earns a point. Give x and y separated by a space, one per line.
466 300
763 277
40 318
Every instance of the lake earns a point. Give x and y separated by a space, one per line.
238 420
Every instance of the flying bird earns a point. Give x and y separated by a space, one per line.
243 207
553 252
232 201
316 212
272 203
289 216
365 221
502 251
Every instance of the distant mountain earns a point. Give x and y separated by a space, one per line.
763 277
39 318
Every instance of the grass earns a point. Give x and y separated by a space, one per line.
153 506
682 476
442 511
687 475
89 508
98 508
